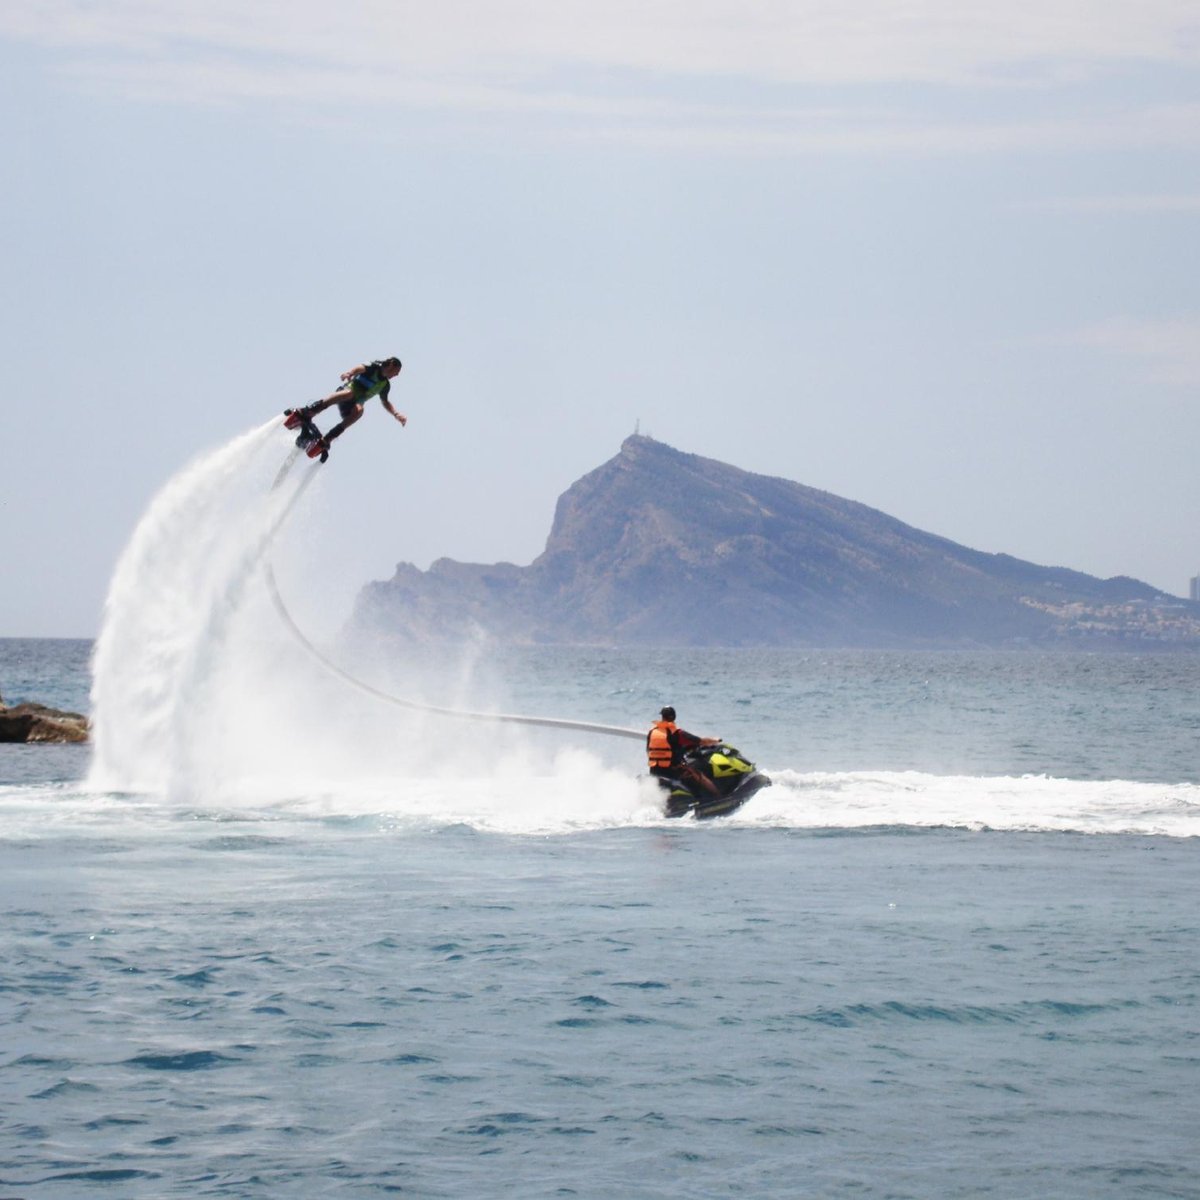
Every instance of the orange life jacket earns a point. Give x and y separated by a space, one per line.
658 744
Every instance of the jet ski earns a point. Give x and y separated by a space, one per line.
735 776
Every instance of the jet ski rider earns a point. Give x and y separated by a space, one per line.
666 745
362 382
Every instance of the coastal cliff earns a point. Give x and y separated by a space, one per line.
658 547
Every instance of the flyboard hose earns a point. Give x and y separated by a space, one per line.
387 697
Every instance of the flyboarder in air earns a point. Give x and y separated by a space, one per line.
362 382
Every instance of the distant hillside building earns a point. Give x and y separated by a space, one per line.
1194 589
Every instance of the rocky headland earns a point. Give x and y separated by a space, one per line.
658 547
37 723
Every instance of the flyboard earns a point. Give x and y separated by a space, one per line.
310 439
311 442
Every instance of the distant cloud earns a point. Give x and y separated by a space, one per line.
741 74
1171 346
812 41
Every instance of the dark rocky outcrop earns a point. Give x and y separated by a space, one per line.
37 723
658 547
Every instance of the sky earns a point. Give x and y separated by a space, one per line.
939 258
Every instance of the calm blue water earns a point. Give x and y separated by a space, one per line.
954 952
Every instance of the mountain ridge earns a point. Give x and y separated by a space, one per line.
658 546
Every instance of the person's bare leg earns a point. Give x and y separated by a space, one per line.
345 423
701 780
319 406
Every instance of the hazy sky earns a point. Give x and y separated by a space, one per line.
939 257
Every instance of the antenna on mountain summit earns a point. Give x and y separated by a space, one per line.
637 426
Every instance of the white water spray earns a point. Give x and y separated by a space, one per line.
174 597
206 689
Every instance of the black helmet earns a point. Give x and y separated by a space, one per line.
668 713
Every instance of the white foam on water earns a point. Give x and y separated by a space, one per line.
851 800
573 792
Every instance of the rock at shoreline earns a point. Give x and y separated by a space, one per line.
38 723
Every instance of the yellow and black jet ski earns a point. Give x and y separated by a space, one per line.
734 777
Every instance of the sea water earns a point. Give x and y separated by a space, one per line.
274 936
